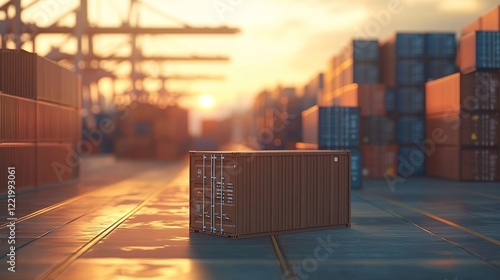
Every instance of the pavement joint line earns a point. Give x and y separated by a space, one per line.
492 263
437 218
56 270
285 266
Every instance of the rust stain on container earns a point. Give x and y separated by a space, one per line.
244 194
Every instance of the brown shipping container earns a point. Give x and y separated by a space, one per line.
463 164
471 27
466 130
27 75
17 119
369 98
268 192
475 91
491 20
56 123
388 59
56 163
22 156
18 73
379 161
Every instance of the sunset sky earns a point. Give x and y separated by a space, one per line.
282 41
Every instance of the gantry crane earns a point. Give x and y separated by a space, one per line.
14 30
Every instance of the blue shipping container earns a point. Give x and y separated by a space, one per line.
441 45
438 68
410 45
410 130
356 169
410 72
390 100
365 50
410 100
411 161
338 127
366 73
488 49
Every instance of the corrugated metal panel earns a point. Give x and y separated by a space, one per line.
411 161
441 45
365 50
56 163
410 72
339 127
390 100
410 45
379 161
475 91
245 194
388 59
17 119
410 130
21 156
480 50
377 130
410 100
464 164
438 68
56 123
364 73
369 98
470 130
27 75
18 73
356 168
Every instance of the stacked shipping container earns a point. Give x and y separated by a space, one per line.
335 128
40 123
409 60
463 109
148 132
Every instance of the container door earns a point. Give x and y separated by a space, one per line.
213 204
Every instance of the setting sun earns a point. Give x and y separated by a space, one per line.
206 101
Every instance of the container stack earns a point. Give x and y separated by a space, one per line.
358 62
40 123
278 118
149 132
409 60
377 127
334 128
463 109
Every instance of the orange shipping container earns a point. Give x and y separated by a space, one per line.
475 91
243 194
479 130
369 98
491 20
463 164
